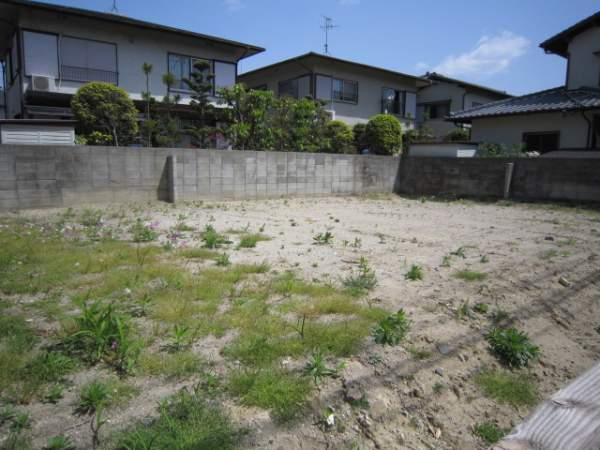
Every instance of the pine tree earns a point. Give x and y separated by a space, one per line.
201 85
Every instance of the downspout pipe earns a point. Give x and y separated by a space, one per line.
588 143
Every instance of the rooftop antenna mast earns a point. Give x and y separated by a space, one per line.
328 25
114 8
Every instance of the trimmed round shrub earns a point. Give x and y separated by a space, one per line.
359 132
339 137
384 134
103 109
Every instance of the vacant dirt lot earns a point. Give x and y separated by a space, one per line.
239 330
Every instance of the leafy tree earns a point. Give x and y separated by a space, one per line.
299 125
339 137
201 85
384 134
248 117
107 109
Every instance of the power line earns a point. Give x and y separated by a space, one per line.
114 8
328 25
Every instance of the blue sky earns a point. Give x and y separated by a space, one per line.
492 42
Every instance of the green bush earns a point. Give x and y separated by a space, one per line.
103 109
384 135
359 133
339 137
458 135
512 347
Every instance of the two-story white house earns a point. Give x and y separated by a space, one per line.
49 51
446 95
353 92
562 118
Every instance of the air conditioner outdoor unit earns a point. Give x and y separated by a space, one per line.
42 83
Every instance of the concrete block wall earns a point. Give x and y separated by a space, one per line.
533 178
46 176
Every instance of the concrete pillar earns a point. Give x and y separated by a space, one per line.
508 173
172 177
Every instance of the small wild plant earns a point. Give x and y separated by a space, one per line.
222 260
415 273
323 238
181 338
392 329
512 347
141 232
102 333
363 280
212 239
317 367
93 399
60 442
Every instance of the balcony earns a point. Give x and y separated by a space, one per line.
84 74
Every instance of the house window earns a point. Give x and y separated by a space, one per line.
392 101
295 88
345 90
542 142
437 110
181 67
288 88
323 88
41 54
225 75
84 60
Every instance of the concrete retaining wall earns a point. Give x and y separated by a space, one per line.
44 176
533 179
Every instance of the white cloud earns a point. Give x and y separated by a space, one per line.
233 5
491 55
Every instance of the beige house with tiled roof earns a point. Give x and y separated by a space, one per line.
563 118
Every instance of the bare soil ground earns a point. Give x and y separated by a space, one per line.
421 394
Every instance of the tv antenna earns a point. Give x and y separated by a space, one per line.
328 25
114 8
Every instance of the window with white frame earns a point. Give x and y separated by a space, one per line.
41 54
86 60
345 90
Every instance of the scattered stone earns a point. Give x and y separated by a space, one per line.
548 238
563 281
439 371
444 349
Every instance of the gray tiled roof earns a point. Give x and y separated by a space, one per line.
557 99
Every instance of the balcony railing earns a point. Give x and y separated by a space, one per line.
84 74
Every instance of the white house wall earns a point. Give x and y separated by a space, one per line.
509 129
584 60
135 46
